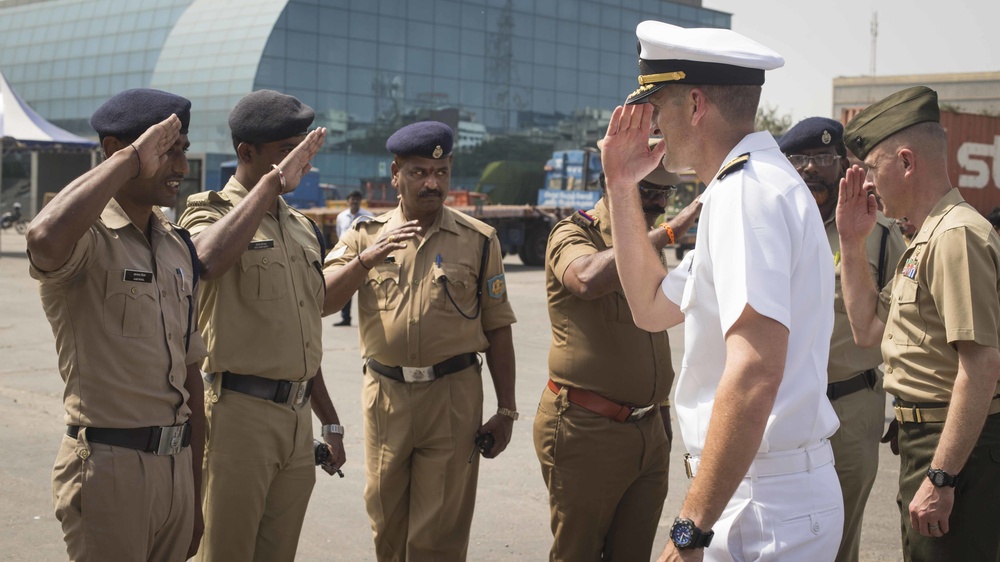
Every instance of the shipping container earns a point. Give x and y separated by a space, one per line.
974 157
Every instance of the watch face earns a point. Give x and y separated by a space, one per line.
681 534
937 479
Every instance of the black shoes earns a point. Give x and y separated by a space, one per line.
346 322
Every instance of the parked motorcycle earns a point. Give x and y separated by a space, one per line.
14 218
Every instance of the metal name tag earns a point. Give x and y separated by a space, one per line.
418 374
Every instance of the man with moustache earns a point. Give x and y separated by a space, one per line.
117 283
431 296
608 481
756 297
260 314
815 148
938 323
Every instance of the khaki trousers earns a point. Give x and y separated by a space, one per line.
607 480
122 504
421 489
259 472
855 452
974 532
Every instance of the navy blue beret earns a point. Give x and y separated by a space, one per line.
812 132
269 116
429 139
128 114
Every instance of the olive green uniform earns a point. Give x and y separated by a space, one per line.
262 318
421 489
946 290
862 411
119 311
607 480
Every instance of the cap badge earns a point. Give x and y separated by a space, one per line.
827 137
438 151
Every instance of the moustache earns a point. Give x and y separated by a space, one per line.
429 193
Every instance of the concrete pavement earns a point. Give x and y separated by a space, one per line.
512 513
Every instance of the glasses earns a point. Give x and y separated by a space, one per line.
650 190
800 161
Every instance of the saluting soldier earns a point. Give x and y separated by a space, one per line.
938 323
815 147
431 296
608 481
260 314
117 283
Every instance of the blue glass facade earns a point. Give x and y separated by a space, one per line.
490 68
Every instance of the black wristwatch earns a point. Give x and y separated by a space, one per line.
941 478
685 535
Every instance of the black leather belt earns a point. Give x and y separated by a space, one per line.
281 392
168 440
865 379
425 374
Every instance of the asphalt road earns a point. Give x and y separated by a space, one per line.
512 513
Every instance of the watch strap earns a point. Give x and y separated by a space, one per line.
512 414
332 428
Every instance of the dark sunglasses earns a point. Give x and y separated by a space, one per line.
650 190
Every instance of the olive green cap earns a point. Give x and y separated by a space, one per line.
889 116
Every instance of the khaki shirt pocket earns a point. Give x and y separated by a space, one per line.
453 285
616 308
315 284
381 290
130 307
263 275
908 327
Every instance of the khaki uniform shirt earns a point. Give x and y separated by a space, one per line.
846 358
595 344
119 312
946 290
407 318
263 316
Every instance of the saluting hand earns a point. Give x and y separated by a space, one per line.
625 155
856 207
389 242
501 427
296 165
151 148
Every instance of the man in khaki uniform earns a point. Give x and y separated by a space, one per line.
260 315
432 296
607 478
938 322
117 284
815 146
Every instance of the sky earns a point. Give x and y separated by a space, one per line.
821 40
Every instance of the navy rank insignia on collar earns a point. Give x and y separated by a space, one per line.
734 165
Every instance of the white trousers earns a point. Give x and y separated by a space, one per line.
796 516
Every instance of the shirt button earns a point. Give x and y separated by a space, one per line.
293 258
215 398
890 336
413 356
888 369
163 294
413 320
170 336
307 345
134 290
83 454
302 303
265 260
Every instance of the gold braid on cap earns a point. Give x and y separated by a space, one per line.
640 90
648 79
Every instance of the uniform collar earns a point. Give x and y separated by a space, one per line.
444 221
754 142
115 218
942 208
235 191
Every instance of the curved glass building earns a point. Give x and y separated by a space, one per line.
542 71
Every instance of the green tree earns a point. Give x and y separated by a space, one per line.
769 120
472 162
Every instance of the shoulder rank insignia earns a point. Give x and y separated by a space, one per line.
734 165
583 218
497 285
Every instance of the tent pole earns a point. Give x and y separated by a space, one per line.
34 183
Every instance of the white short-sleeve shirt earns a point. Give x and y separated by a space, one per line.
760 242
346 218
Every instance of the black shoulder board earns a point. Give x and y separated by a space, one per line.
734 165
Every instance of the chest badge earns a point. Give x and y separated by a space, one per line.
910 268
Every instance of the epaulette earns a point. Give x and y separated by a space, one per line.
583 219
207 198
734 165
472 223
356 225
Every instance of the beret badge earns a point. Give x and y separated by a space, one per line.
827 137
438 151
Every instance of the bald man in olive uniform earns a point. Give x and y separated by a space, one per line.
938 322
431 296
260 313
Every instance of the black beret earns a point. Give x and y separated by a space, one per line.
429 139
812 132
268 116
889 116
128 114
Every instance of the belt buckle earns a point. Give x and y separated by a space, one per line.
688 470
418 374
639 413
171 440
297 394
